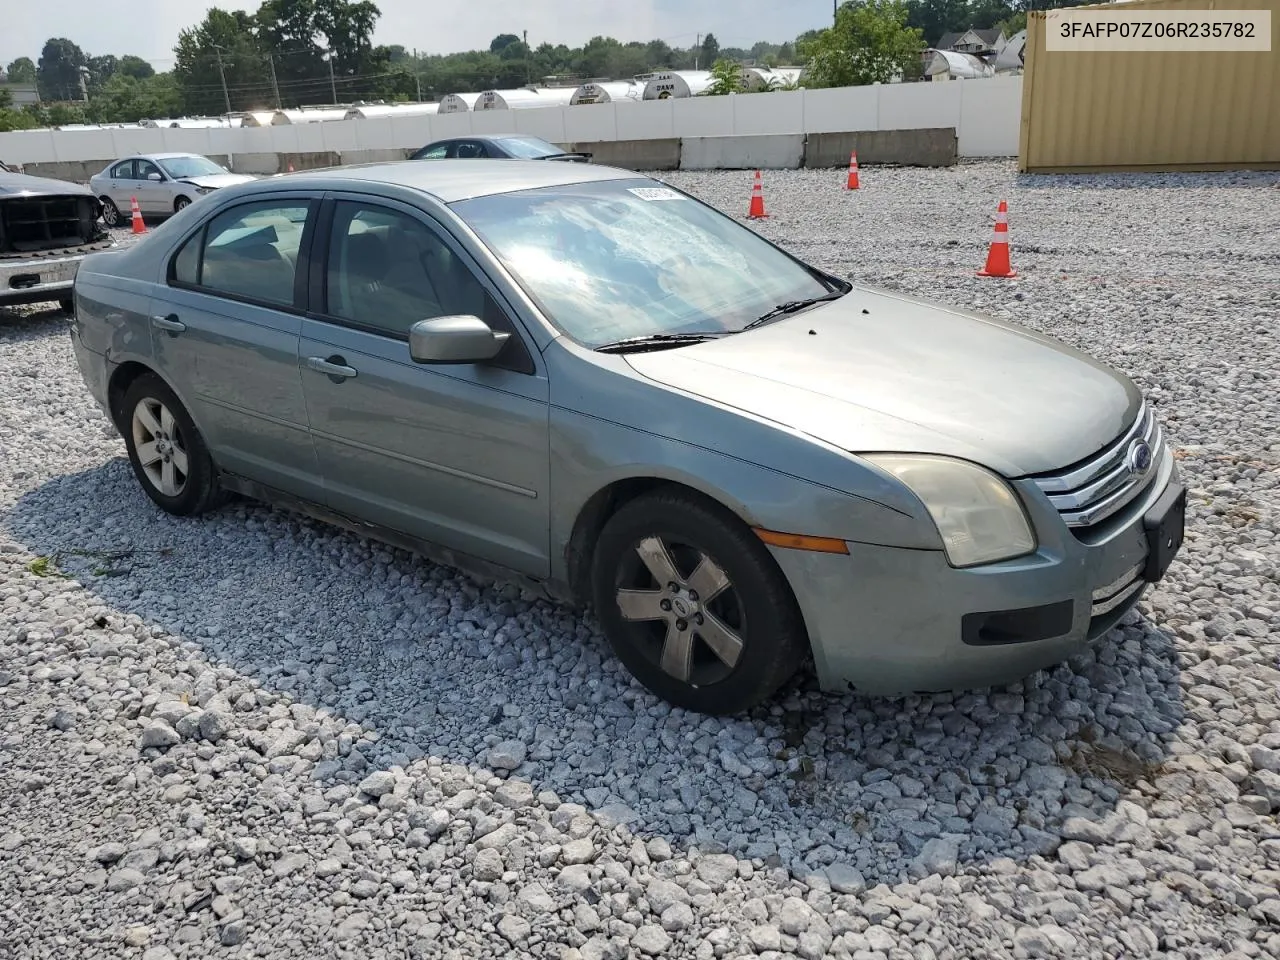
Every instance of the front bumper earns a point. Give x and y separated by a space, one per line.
888 621
37 279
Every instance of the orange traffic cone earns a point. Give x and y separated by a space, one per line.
853 171
138 225
757 201
998 254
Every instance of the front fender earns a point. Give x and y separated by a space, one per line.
590 454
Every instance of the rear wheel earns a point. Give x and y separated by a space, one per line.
693 604
67 304
110 212
168 454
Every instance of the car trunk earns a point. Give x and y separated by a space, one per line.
50 225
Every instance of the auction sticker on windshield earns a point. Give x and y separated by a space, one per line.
655 193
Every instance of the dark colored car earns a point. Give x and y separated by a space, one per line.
46 228
496 146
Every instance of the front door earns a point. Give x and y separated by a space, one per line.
456 455
225 331
153 195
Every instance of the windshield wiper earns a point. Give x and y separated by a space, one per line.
792 306
657 341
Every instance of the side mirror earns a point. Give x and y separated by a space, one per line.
154 177
461 339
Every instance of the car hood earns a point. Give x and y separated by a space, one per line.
21 184
217 180
877 371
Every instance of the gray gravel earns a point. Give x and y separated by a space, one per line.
253 735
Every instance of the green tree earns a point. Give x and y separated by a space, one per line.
58 75
869 43
1014 23
136 67
502 41
726 78
22 70
225 38
126 99
709 53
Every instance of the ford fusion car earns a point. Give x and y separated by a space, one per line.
585 380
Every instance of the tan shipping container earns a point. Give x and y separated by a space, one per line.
1150 110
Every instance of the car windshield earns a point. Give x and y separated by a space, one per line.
630 258
179 167
529 148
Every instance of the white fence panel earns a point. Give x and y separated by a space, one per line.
590 123
703 116
990 116
764 114
914 106
840 111
650 120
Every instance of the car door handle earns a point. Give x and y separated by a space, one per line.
333 367
170 323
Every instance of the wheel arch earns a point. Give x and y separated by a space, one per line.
609 499
124 376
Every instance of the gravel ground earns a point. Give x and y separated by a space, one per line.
253 735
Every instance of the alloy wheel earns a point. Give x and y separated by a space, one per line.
161 451
687 611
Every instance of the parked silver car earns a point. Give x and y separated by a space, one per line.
163 184
586 380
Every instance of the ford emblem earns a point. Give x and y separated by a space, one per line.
1139 460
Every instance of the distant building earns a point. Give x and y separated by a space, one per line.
23 94
983 44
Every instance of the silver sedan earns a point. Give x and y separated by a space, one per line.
595 384
162 183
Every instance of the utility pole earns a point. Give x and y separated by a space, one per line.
223 74
417 73
697 48
274 86
528 65
333 84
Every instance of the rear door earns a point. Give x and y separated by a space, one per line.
225 335
121 186
457 455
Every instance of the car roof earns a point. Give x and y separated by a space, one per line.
492 136
156 156
453 180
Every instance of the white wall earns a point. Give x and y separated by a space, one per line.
986 114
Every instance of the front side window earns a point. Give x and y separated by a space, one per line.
388 270
628 258
249 251
146 168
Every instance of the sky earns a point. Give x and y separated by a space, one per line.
150 28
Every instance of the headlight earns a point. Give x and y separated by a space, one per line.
203 190
978 515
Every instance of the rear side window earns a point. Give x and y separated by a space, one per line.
435 153
248 252
122 171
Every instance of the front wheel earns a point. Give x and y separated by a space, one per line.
110 212
168 454
181 204
693 604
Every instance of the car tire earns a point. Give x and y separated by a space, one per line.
750 603
67 304
162 440
110 212
181 203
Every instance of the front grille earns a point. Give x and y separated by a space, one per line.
48 225
1088 493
